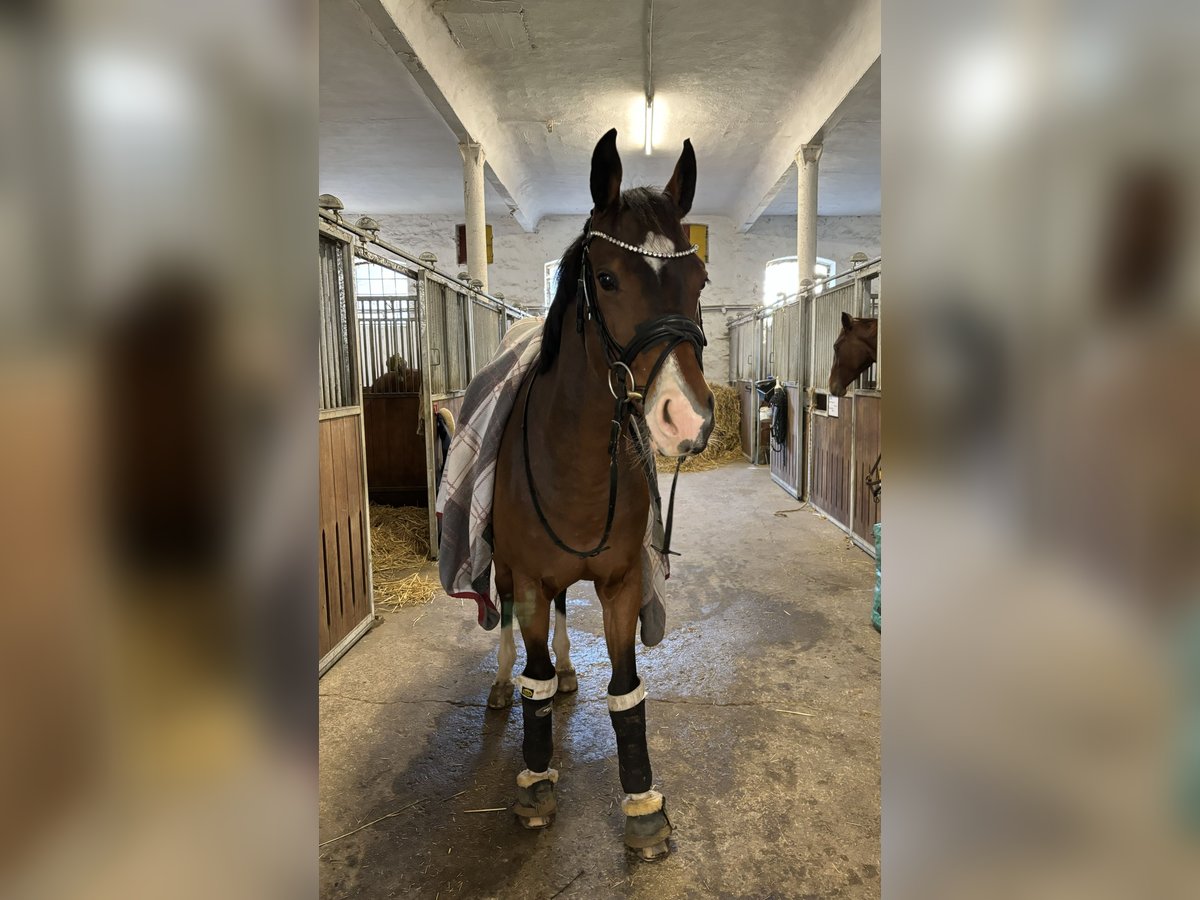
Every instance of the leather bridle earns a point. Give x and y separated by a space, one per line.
670 330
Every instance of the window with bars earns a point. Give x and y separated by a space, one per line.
782 277
374 280
386 303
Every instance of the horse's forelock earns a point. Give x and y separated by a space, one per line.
652 211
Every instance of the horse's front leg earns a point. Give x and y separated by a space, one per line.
646 825
568 683
536 803
501 694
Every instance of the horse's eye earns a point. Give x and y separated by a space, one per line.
607 280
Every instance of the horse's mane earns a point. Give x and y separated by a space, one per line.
652 209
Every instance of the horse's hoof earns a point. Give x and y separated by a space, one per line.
647 835
500 696
649 854
567 682
536 803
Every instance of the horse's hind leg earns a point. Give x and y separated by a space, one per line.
646 825
536 803
501 694
567 682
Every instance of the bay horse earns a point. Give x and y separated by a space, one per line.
854 352
622 341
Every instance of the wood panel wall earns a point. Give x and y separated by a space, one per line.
395 449
343 558
787 464
867 411
830 488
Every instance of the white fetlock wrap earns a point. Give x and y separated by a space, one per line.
532 689
529 779
642 804
628 701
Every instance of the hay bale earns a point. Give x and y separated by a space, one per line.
400 544
725 442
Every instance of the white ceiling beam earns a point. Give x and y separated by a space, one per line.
421 39
850 54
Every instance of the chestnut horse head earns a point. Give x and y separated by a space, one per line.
853 352
634 271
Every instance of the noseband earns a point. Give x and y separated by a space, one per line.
670 330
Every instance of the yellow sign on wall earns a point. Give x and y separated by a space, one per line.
698 235
461 242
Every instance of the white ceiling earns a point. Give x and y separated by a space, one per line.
538 82
384 147
848 173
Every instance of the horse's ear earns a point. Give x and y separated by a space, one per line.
847 320
606 172
682 186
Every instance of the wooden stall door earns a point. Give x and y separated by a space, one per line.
866 450
829 489
344 604
395 449
343 561
787 462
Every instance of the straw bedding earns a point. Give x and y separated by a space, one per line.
399 544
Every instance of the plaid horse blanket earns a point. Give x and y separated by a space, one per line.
464 502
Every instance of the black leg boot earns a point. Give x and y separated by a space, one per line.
536 803
646 825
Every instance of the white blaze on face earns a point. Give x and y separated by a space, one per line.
657 243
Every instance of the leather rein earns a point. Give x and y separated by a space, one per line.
669 330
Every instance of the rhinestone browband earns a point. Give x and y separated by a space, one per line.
642 250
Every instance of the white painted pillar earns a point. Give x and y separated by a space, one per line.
806 209
472 155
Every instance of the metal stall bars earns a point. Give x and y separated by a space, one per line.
444 330
488 326
830 445
393 371
844 435
785 347
345 587
386 299
745 346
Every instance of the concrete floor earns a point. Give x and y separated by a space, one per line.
768 618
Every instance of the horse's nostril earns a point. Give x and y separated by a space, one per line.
666 414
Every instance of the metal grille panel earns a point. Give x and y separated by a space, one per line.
486 326
387 327
827 325
435 306
337 386
743 352
455 346
785 344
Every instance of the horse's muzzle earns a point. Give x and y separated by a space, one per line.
679 423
